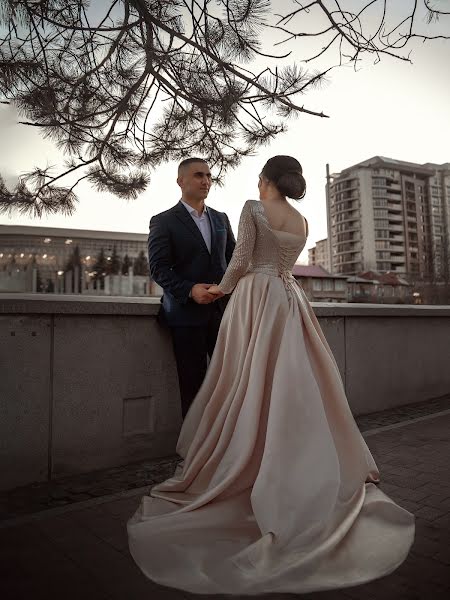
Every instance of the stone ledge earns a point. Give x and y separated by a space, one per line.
344 309
123 305
78 304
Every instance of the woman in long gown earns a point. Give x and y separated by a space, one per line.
277 492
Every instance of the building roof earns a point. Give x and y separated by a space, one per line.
399 165
356 279
388 278
313 271
25 230
444 167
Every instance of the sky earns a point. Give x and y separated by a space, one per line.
393 109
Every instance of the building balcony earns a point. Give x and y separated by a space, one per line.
398 260
338 251
348 227
397 217
394 185
345 186
395 227
394 192
348 219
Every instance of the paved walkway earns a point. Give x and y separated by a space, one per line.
38 497
80 551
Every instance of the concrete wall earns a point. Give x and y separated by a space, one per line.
88 383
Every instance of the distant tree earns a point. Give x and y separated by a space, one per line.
123 85
50 287
75 268
114 263
100 268
126 264
74 259
140 266
39 284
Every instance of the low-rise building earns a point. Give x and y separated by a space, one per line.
379 288
58 260
320 285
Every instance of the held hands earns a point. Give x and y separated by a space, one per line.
205 293
216 291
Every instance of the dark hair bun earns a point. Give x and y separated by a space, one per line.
286 173
292 185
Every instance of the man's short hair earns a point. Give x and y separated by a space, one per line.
188 161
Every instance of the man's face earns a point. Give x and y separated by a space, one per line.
195 181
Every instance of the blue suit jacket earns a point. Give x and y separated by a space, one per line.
179 258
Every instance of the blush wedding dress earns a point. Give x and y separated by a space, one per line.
277 491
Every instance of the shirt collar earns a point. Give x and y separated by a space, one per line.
192 210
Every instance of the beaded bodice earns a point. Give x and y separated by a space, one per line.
260 249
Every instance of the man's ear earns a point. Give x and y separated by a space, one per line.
180 180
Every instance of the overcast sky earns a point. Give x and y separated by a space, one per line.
391 109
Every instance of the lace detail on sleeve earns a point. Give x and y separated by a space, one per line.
243 251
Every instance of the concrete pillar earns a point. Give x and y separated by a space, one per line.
76 289
130 281
68 282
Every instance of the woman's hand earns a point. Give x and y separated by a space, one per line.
216 291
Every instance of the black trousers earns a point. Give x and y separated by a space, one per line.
191 346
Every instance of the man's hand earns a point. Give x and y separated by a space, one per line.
200 294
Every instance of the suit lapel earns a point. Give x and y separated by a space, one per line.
186 218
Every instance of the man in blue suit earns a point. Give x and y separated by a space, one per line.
189 248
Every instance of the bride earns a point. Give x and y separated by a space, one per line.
277 492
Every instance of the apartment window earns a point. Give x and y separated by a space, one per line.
380 202
383 266
317 285
339 285
327 285
379 213
381 223
380 181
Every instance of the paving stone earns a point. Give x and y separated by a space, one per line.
430 513
426 547
443 522
409 505
418 494
88 548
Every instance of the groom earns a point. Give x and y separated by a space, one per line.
189 248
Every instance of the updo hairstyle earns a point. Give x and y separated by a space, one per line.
286 173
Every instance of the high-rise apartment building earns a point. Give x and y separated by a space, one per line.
320 255
312 256
390 215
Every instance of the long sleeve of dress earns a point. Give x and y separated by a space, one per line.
243 251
